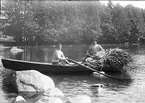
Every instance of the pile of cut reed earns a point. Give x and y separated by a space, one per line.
114 59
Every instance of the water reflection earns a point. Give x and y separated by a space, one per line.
16 55
44 53
74 85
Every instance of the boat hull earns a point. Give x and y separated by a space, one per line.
46 68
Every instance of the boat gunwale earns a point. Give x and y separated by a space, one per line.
33 62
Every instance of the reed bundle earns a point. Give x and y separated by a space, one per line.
114 59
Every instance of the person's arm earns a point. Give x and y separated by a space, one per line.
64 58
89 51
101 48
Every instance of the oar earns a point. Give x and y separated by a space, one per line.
109 76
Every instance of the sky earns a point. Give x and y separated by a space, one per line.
138 3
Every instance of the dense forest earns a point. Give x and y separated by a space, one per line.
69 22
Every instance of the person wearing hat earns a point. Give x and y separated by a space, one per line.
58 56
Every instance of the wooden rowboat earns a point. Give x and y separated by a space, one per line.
46 68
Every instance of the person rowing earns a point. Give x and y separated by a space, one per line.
58 56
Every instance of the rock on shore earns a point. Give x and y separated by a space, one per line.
27 83
33 87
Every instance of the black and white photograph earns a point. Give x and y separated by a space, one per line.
72 51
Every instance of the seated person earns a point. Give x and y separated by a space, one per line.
95 50
58 56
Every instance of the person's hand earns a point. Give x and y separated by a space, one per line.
66 57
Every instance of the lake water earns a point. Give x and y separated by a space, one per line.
113 91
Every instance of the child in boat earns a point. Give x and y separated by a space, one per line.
58 56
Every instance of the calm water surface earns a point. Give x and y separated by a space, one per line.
113 92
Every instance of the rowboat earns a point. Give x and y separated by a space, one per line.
46 68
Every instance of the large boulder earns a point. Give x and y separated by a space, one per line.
55 92
29 83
